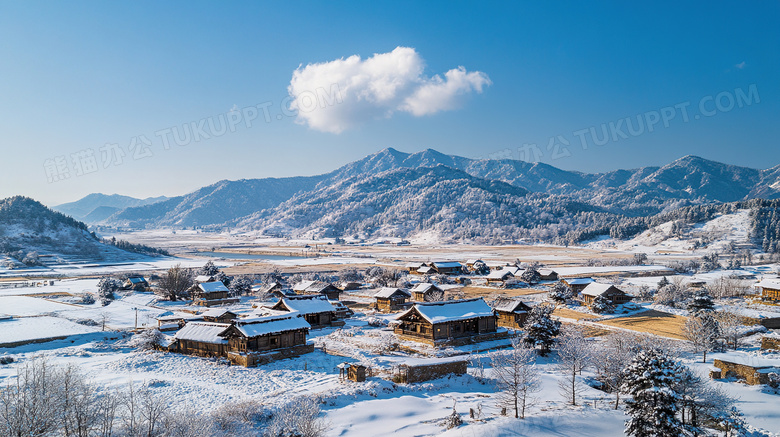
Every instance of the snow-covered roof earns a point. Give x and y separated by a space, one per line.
203 331
473 261
211 287
447 311
303 285
499 274
414 265
308 306
596 289
424 269
773 284
509 305
424 287
447 264
204 278
253 327
388 292
546 272
579 281
136 280
216 312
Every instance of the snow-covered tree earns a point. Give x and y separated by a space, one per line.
517 378
208 269
602 305
671 295
300 417
560 293
701 301
223 278
241 286
480 268
531 275
540 329
663 282
106 288
651 380
574 354
700 402
703 331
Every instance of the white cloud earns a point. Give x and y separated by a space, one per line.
338 95
741 65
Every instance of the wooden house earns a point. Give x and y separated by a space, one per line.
413 267
511 313
548 274
219 315
770 288
136 283
259 334
211 294
499 276
349 285
612 293
447 267
426 291
752 370
470 263
391 299
577 284
203 339
318 287
317 311
447 322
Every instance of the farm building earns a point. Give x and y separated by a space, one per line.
497 265
511 313
317 311
317 287
577 284
202 338
548 274
612 293
470 262
499 276
425 292
770 288
448 322
413 267
249 339
136 283
391 299
274 289
218 315
211 293
447 267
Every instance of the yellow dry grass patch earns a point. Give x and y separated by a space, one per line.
571 314
652 322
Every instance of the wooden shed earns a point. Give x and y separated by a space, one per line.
391 299
577 284
425 292
317 287
770 288
219 315
202 339
211 294
511 313
447 267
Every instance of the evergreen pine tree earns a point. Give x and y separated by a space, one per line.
702 301
651 380
602 305
560 293
663 282
540 329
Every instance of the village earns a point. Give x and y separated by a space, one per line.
407 323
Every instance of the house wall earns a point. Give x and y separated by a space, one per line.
202 349
511 320
770 293
410 374
741 371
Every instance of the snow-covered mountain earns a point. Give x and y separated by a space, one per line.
336 202
32 234
96 207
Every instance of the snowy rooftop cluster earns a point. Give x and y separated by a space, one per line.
447 311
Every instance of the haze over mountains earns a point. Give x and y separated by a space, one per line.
396 193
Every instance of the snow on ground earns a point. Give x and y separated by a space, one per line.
720 231
29 328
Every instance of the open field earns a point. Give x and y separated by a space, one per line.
652 322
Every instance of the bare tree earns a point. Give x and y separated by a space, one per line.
574 353
300 417
610 360
175 283
731 327
27 407
703 331
516 377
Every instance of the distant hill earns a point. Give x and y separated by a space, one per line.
396 193
32 234
96 206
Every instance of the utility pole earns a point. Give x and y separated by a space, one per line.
136 319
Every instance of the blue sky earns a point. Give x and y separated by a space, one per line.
79 75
